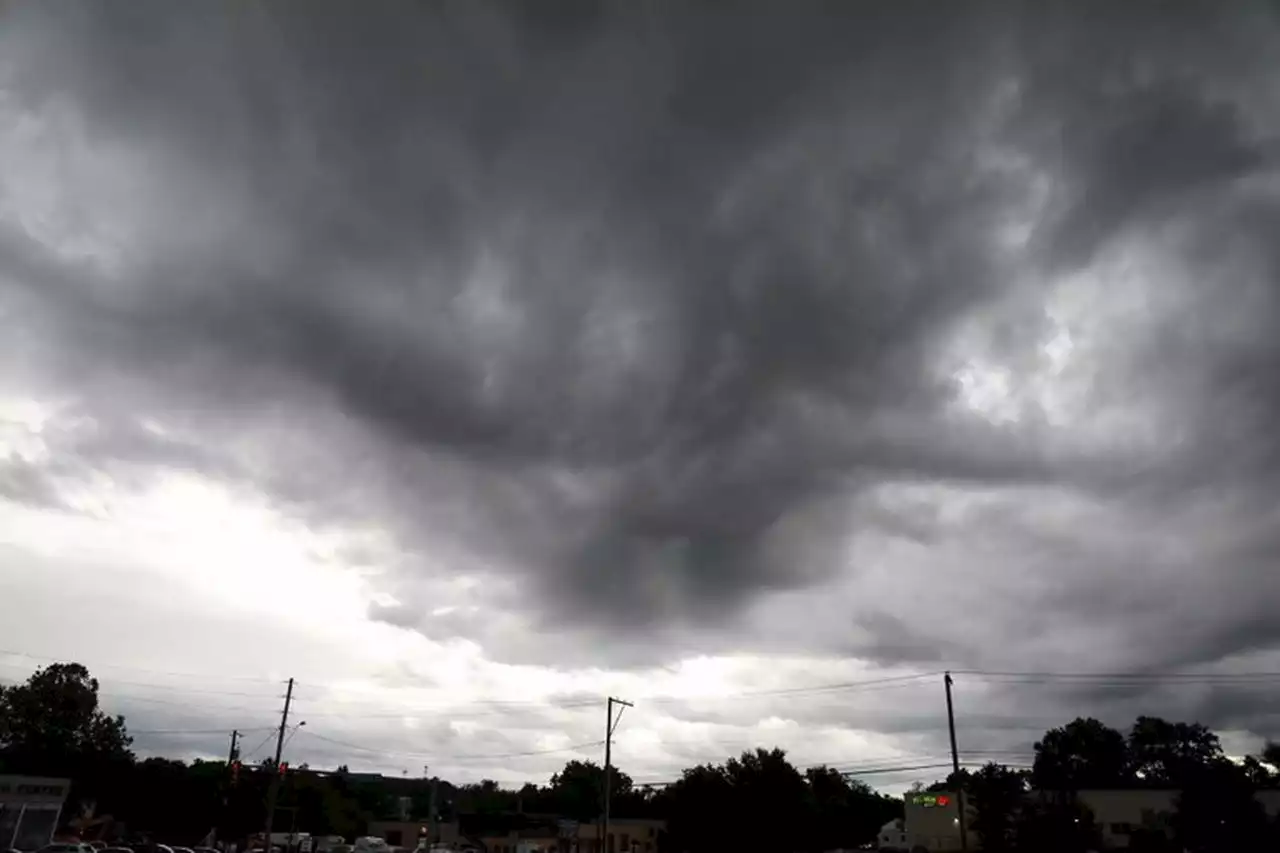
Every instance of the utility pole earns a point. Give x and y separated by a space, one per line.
955 765
232 755
273 784
432 835
610 725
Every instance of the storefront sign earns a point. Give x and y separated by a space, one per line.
931 801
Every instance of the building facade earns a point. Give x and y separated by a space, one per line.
30 807
932 821
550 835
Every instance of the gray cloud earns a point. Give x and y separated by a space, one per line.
642 317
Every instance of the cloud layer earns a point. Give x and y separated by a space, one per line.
608 336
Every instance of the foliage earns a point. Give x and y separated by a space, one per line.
1166 754
54 720
1082 754
1217 809
578 789
52 725
1056 823
995 795
760 801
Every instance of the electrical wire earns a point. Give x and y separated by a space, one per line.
169 673
249 756
114 696
497 707
439 757
195 731
1252 677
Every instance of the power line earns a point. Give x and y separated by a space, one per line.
222 731
1262 677
249 756
113 696
170 673
438 757
874 771
501 706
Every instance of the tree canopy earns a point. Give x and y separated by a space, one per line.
756 801
53 722
1082 754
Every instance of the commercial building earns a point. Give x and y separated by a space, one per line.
30 807
533 834
409 833
932 820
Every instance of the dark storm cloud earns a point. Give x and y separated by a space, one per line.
633 306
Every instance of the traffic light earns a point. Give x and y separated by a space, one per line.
235 772
284 768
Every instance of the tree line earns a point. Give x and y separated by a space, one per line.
1039 809
52 725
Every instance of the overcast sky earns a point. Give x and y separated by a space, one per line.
471 361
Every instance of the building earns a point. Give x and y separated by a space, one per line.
626 835
932 820
526 833
407 833
30 807
892 836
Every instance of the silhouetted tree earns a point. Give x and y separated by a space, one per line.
1170 754
52 722
696 807
52 726
995 794
1082 754
1056 824
577 791
845 814
1217 810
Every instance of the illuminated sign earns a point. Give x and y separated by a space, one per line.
931 801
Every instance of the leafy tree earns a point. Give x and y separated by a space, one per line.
1056 824
996 794
696 807
768 787
1172 754
846 814
52 725
1271 755
1217 810
577 790
52 722
1258 773
954 782
1083 754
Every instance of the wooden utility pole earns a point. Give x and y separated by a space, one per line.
955 765
229 779
273 784
610 725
